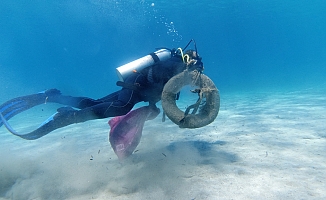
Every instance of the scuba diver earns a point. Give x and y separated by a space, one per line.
139 83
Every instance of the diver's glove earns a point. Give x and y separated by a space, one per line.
154 111
20 104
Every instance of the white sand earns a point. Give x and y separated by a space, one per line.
261 146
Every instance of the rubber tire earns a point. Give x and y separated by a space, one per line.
207 113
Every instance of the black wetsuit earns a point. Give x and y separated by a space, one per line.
146 85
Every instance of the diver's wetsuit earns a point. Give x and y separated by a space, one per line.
146 85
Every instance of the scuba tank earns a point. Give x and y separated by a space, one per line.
137 65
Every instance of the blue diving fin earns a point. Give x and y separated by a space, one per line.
64 117
20 104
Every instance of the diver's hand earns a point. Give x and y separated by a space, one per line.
154 112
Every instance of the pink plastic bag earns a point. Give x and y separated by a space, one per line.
126 130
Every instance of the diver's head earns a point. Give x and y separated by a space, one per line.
192 54
194 60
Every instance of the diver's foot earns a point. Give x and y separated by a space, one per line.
154 111
63 117
66 115
51 95
52 92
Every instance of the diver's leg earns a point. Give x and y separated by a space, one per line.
76 102
125 100
82 102
67 115
111 97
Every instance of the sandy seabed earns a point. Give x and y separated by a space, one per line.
261 146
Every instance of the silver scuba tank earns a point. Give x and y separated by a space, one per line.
137 65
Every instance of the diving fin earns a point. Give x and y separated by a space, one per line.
65 116
29 136
20 104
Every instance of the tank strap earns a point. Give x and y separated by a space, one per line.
155 57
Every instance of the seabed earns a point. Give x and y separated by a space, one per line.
261 146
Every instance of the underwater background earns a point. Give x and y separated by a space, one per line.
266 57
75 46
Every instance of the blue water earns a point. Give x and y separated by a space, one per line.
76 45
